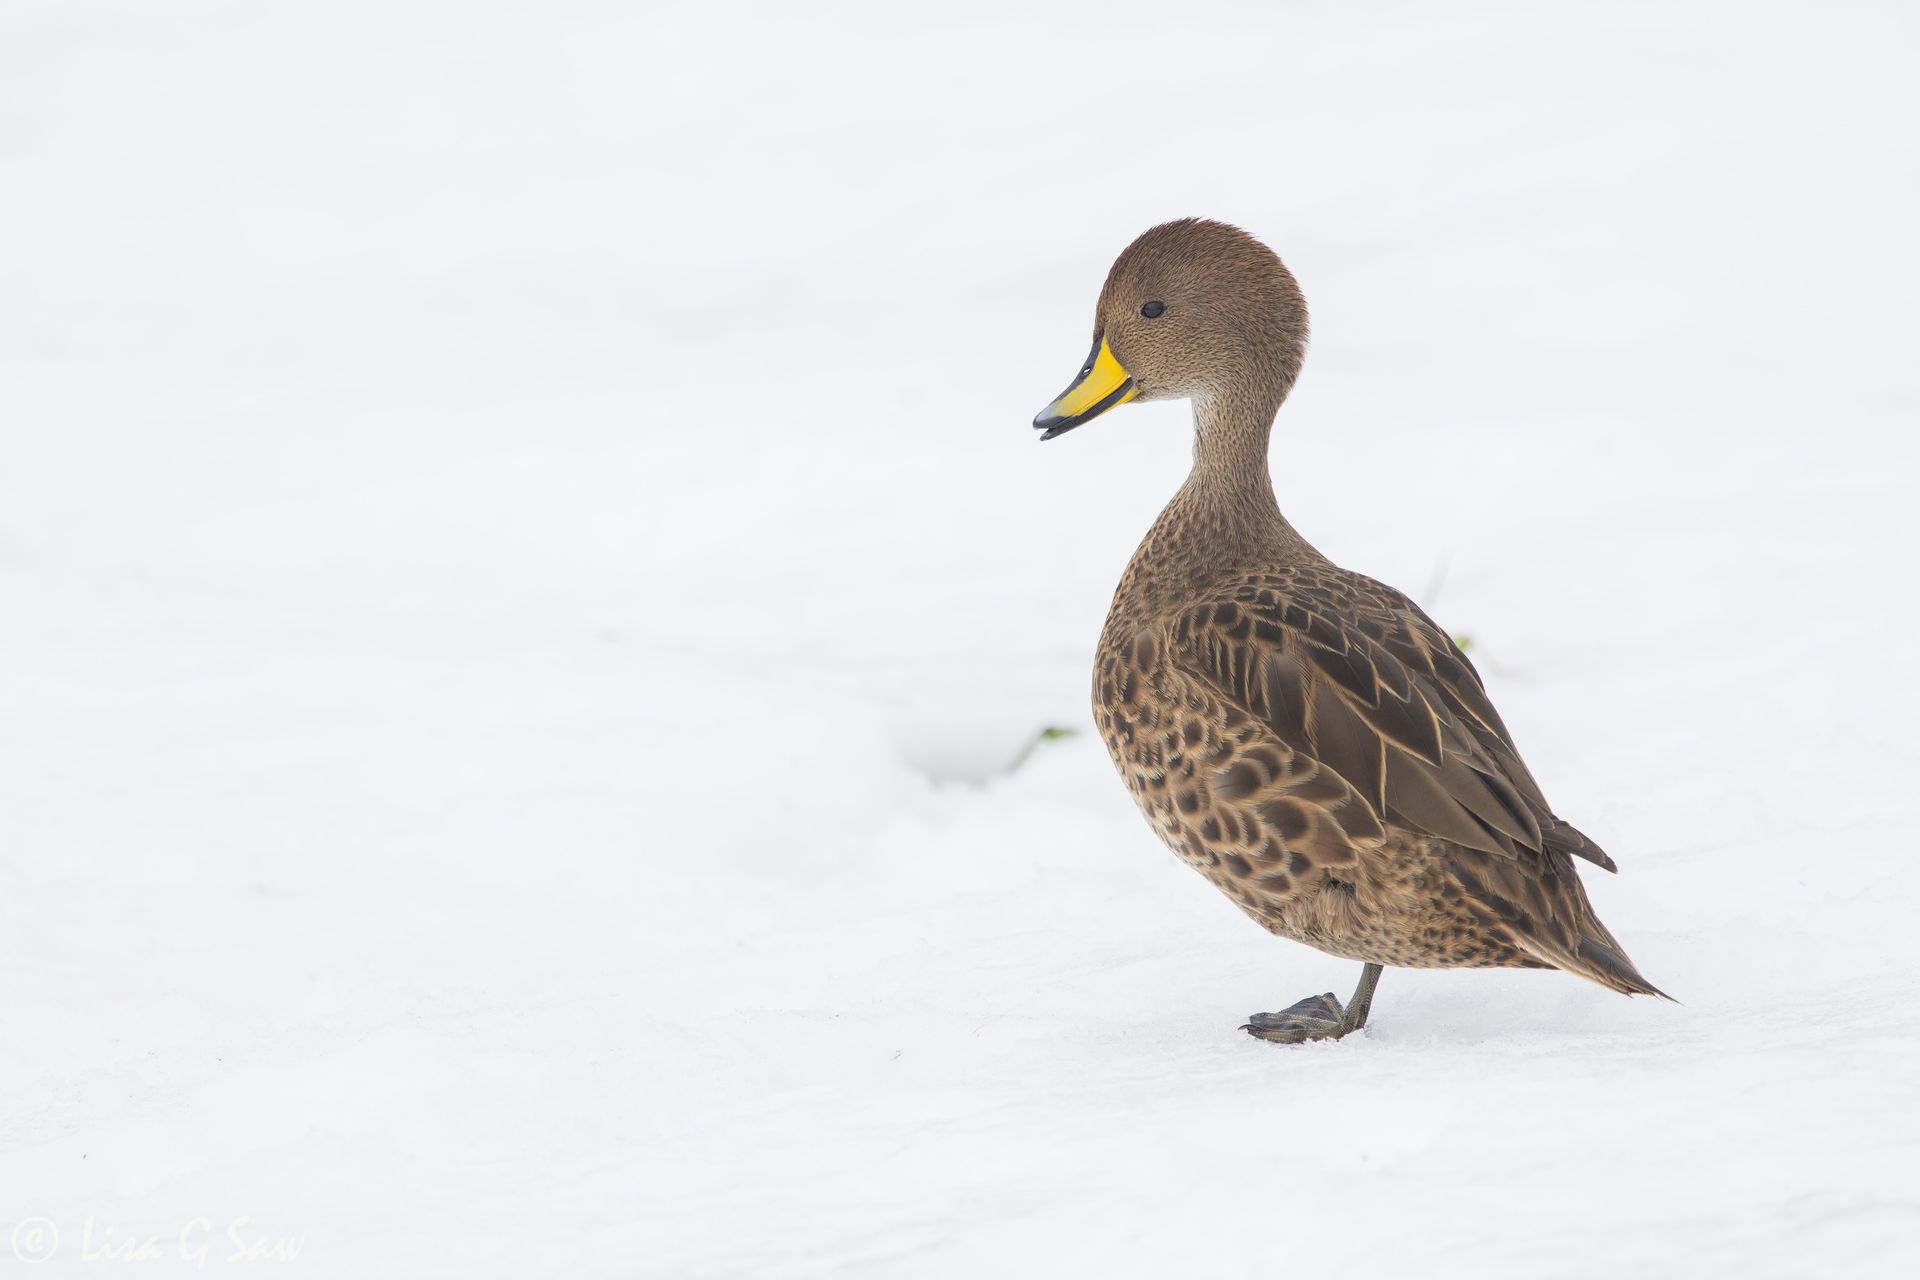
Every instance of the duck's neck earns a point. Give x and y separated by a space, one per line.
1230 482
1221 525
1230 435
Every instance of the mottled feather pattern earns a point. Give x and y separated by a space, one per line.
1316 747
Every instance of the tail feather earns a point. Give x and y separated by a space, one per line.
1545 911
1596 961
1618 970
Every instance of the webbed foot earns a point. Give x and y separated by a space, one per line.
1320 1017
1315 1018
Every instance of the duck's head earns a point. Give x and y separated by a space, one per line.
1191 309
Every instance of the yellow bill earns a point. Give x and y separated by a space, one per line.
1101 385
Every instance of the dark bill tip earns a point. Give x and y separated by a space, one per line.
1051 425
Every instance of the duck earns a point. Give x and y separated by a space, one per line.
1304 736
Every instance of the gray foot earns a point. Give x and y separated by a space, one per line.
1318 1017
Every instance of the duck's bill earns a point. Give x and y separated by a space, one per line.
1101 385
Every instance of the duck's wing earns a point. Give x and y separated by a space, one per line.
1351 674
1374 719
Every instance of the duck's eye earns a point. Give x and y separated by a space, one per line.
1153 309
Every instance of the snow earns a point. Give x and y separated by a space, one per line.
524 567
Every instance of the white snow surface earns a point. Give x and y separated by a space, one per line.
523 567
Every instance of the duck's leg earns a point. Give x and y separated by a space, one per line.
1318 1017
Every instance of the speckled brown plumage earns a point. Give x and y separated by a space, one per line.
1303 736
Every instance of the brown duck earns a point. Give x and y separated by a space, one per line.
1303 736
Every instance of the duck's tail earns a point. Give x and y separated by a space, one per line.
1588 950
1602 961
1545 910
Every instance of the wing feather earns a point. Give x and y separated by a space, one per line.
1352 675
